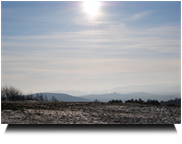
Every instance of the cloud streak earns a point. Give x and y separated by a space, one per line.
161 39
140 15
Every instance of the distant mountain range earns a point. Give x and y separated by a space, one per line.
158 89
107 97
64 97
72 92
144 96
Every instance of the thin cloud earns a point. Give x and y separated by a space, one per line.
140 15
165 39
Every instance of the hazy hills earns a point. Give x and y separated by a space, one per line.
158 89
108 97
124 97
64 97
72 92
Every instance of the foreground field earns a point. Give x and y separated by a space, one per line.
31 112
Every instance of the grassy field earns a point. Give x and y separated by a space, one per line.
32 112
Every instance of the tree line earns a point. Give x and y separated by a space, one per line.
175 102
140 101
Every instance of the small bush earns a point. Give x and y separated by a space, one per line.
115 101
54 99
96 101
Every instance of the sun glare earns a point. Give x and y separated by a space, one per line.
91 7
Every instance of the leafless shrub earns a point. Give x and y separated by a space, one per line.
96 101
10 93
54 99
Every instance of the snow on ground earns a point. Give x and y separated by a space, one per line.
107 114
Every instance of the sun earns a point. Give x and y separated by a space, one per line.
91 7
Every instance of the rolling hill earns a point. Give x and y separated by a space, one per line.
64 97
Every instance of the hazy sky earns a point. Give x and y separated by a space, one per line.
48 46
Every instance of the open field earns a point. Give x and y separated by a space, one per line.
32 112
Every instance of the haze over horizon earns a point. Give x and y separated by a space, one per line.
66 45
157 89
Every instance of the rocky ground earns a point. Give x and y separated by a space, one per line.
31 112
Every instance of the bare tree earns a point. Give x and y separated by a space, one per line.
96 101
45 98
54 99
10 93
3 96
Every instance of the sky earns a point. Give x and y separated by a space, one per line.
66 45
